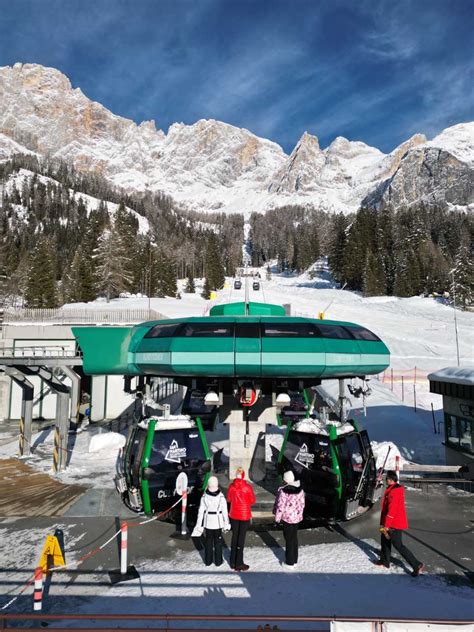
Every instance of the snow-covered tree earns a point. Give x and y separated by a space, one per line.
462 277
190 285
112 266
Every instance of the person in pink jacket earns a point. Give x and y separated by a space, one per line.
288 509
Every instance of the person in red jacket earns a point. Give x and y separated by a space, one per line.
393 521
241 497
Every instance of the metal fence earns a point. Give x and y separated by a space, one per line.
80 316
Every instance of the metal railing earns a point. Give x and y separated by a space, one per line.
260 622
48 351
80 316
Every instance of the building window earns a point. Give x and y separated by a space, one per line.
459 432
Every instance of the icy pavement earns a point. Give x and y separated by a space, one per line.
335 574
330 579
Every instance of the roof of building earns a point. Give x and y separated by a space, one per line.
454 375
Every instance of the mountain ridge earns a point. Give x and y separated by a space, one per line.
211 165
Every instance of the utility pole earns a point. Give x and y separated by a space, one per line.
455 318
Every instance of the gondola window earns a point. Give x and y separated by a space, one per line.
171 448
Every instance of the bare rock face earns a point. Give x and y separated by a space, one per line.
212 165
432 176
302 169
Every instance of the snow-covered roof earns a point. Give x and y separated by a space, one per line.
172 422
315 426
454 375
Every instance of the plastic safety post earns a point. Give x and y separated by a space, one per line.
184 504
38 589
123 548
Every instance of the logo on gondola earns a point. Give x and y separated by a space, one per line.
175 453
304 457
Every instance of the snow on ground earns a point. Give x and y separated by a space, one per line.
93 467
330 578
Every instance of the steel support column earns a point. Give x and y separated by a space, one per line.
26 408
75 390
62 413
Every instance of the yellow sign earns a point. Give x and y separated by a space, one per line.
212 296
52 554
321 315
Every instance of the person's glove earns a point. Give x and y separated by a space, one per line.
197 532
226 528
385 532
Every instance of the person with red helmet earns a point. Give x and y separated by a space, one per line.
393 522
241 497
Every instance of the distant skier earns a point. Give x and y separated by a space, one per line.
393 521
288 509
241 497
212 520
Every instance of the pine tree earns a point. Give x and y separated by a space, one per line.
206 290
165 275
190 285
112 266
213 267
337 248
41 291
374 275
462 277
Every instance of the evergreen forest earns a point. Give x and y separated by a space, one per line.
72 237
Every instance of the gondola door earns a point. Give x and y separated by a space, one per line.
370 471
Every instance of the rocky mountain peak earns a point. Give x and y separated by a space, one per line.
214 165
35 76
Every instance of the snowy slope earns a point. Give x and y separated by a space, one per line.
91 203
211 165
458 140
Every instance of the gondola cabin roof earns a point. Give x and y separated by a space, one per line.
173 422
315 426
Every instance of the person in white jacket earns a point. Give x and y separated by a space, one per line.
212 520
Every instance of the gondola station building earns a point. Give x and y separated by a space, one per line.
456 385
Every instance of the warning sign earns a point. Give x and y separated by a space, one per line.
52 554
175 453
304 457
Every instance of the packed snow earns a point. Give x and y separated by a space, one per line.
330 578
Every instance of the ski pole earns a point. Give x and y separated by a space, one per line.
380 476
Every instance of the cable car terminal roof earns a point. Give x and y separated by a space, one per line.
236 340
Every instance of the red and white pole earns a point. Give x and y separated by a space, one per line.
184 505
123 548
38 591
397 465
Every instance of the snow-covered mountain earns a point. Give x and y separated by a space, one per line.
211 165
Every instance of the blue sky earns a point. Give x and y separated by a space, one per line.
376 71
